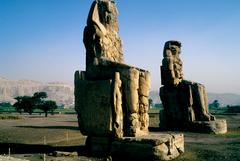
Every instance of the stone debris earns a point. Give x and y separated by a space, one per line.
64 154
151 147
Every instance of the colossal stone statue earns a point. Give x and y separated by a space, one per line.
111 97
184 101
104 58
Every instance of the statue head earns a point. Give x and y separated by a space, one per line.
101 36
103 13
172 48
107 11
171 64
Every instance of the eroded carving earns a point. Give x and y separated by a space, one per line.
104 58
184 101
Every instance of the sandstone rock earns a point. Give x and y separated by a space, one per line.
111 98
144 122
215 127
98 146
64 154
94 108
118 111
104 58
185 102
144 83
143 100
60 92
131 91
152 147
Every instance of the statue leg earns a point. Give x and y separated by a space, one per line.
117 107
186 101
130 80
212 118
201 103
143 92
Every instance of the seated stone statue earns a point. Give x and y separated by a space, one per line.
104 61
111 97
184 101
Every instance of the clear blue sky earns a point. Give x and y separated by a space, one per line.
42 39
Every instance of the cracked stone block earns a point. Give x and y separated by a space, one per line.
151 147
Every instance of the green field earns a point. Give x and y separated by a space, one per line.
59 110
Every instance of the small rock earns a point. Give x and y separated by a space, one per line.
65 154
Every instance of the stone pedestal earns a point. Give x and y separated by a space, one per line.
151 147
216 127
98 146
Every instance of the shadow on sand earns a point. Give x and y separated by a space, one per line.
37 148
50 127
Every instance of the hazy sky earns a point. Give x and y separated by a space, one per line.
42 39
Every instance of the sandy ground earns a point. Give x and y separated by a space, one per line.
32 136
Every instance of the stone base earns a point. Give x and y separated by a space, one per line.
216 127
98 146
151 147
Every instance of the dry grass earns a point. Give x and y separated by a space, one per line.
36 128
210 147
9 117
62 130
232 134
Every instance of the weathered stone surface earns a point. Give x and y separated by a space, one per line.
98 146
64 154
104 58
184 102
94 108
117 105
101 38
111 98
152 147
179 142
131 91
144 122
99 106
171 69
216 127
144 83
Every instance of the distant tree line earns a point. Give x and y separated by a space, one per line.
233 109
37 101
154 105
5 104
214 104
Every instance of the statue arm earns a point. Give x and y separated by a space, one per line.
169 66
102 61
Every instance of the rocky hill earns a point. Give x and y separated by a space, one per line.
223 98
60 92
